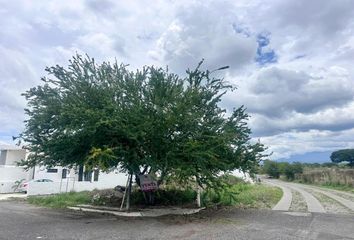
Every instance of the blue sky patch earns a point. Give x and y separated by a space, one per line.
264 54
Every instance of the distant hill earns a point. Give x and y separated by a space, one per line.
311 157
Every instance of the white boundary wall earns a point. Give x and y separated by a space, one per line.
9 175
106 180
244 175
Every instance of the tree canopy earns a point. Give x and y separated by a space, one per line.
275 169
143 121
271 168
344 155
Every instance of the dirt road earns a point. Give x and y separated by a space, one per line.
306 198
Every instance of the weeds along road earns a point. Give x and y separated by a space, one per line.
315 199
21 221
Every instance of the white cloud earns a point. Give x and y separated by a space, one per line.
205 30
286 144
282 90
299 91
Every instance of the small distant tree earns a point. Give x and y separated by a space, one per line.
271 168
292 169
329 164
282 166
344 155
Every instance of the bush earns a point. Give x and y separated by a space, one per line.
292 170
162 197
227 195
107 197
167 197
271 168
231 179
242 195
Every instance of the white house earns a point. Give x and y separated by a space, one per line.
64 179
74 179
9 171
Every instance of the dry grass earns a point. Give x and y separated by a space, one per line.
329 176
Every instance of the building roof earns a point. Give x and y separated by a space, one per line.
5 146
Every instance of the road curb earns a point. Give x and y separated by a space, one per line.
145 213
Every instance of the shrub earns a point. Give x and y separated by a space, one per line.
109 197
242 195
271 168
167 197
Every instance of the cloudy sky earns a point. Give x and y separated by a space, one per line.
292 61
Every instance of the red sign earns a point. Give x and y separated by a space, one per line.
147 183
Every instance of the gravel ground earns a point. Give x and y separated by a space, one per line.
331 205
298 203
344 196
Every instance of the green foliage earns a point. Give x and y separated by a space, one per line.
168 197
329 164
226 196
147 121
229 179
275 169
336 186
292 169
17 184
62 200
242 195
344 155
271 168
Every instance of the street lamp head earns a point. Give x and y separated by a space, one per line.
222 68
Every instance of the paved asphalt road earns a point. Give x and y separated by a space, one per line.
19 220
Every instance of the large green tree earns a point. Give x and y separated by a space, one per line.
344 155
147 121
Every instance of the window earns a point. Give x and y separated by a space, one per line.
87 176
64 173
52 170
95 175
81 172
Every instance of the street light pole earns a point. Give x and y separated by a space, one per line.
221 68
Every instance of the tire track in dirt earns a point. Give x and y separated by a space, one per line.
317 199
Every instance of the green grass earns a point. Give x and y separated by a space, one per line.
61 200
238 195
260 196
243 195
335 186
339 187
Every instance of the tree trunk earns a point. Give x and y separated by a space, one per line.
149 198
129 192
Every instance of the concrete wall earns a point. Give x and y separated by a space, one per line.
9 175
105 180
14 155
3 157
42 173
245 176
